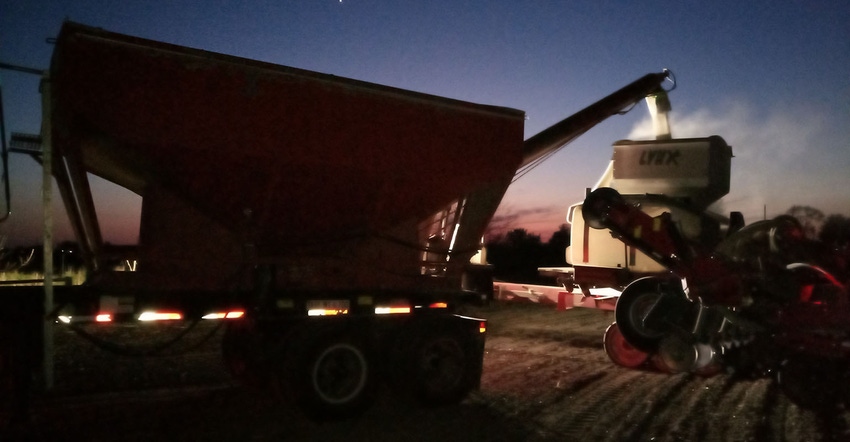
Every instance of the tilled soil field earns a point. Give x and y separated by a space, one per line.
546 378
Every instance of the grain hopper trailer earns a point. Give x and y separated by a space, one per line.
328 222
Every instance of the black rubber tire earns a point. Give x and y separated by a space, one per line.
634 303
434 364
332 377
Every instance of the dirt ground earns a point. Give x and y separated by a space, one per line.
546 378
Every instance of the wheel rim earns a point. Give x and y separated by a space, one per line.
620 351
441 365
634 305
339 373
638 311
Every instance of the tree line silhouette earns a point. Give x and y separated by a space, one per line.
516 255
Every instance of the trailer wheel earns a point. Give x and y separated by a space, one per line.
633 306
620 351
435 367
332 379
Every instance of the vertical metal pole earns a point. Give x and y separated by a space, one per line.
46 192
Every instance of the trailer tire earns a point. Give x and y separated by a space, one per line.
635 302
331 377
435 365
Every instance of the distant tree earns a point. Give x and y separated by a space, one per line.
516 256
521 238
810 218
67 257
835 232
556 247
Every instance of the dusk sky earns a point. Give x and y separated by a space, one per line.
771 77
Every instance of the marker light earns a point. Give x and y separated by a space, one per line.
159 316
326 312
236 314
327 307
392 310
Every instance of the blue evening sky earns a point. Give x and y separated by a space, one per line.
771 77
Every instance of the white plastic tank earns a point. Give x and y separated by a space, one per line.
694 172
694 169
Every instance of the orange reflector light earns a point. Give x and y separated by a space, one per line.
326 312
327 307
391 310
482 327
159 316
103 317
439 305
221 315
